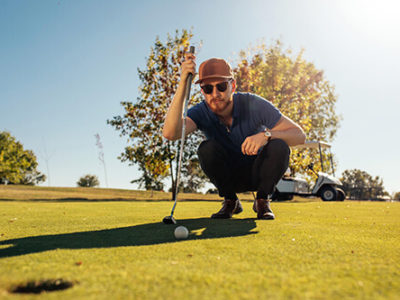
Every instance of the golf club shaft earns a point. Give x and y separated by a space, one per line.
178 172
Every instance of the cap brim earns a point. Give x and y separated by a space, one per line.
212 77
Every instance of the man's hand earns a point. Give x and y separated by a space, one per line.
253 143
188 66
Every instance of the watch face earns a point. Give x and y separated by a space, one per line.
267 133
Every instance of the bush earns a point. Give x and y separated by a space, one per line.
88 181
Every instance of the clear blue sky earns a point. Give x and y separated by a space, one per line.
65 66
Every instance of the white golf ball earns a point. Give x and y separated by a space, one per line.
181 232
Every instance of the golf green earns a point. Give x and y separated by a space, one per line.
120 249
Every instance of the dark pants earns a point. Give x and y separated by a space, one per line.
233 173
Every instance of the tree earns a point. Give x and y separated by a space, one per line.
193 177
297 88
396 196
88 181
17 166
143 120
362 186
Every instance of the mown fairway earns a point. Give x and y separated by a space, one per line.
112 244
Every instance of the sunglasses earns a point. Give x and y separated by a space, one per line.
208 88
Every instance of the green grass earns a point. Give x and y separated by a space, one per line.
119 249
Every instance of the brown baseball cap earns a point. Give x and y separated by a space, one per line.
214 68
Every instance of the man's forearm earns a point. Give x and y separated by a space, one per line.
173 120
292 136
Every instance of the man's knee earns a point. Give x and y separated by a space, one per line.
278 147
208 148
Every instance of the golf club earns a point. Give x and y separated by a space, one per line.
170 219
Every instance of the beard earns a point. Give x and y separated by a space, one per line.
219 105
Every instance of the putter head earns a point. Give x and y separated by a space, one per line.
169 220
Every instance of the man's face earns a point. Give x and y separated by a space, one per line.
218 94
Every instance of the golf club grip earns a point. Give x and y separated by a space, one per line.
188 84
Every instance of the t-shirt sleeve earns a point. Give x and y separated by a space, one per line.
195 113
266 112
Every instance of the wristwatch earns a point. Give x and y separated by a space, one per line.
267 134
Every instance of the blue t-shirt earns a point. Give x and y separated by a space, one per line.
251 114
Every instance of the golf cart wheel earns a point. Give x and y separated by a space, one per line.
328 193
341 195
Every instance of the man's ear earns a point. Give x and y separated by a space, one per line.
233 85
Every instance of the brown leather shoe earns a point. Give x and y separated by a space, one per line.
263 210
229 207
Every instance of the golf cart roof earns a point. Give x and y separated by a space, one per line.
313 145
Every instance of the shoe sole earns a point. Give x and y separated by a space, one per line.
266 217
237 210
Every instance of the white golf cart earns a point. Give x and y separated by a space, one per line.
326 186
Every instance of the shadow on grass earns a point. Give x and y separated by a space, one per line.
139 235
78 199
